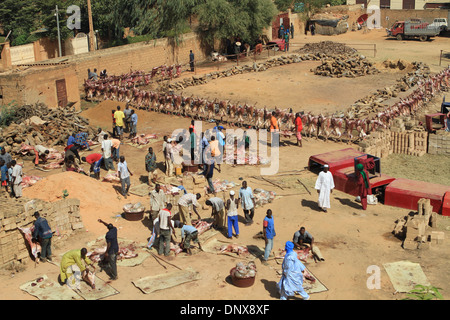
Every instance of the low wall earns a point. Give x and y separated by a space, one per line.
63 216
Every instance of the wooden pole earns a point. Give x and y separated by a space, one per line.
91 27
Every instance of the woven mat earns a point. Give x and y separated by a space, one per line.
48 289
166 280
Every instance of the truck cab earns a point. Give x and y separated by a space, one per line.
397 30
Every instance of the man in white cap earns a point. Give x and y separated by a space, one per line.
324 187
232 206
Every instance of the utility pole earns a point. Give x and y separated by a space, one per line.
91 27
59 34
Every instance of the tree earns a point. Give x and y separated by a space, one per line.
222 19
19 17
283 5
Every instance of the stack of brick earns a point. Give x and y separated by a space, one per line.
416 229
409 142
63 217
378 143
439 143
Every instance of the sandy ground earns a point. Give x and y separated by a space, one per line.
350 239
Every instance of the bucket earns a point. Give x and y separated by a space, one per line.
241 282
134 216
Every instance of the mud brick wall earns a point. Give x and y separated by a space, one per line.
439 143
63 217
139 56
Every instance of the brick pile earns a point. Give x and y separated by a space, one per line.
439 143
419 230
63 217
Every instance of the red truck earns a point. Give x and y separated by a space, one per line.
410 30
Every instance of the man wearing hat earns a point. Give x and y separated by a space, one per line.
324 187
43 234
112 248
232 206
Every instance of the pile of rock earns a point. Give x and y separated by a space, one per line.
327 48
344 65
39 124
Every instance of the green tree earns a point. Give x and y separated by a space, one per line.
222 19
19 17
283 5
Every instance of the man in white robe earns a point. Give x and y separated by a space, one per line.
324 187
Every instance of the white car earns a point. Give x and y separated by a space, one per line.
441 23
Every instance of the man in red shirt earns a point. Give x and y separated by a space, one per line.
298 127
95 160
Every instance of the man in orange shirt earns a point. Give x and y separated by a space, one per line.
298 127
274 127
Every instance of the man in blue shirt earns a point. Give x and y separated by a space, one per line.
269 234
43 234
112 248
188 233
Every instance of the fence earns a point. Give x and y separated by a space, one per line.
444 55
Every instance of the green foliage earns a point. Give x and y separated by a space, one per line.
8 114
421 292
283 5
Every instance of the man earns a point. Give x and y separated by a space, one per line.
188 234
281 31
183 206
16 179
150 166
127 120
312 28
4 174
218 212
232 206
324 187
165 229
119 116
100 135
269 234
107 153
112 248
95 160
274 129
292 275
298 129
364 184
192 139
169 157
157 201
41 153
292 30
42 233
191 60
92 75
124 175
208 170
73 268
247 202
286 41
5 155
215 151
303 238
71 140
115 149
72 149
134 120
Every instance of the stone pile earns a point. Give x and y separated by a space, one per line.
418 230
63 217
344 65
39 124
327 48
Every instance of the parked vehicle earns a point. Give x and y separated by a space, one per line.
410 30
441 23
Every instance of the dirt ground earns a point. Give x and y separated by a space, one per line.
350 239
